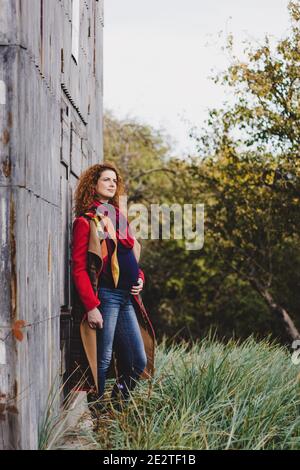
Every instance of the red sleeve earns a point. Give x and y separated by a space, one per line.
142 275
81 229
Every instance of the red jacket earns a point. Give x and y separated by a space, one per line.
81 228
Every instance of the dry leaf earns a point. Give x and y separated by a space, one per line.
16 329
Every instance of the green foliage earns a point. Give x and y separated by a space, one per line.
141 154
267 90
247 175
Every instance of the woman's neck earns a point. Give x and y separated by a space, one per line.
101 199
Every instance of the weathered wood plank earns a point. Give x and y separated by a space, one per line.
50 129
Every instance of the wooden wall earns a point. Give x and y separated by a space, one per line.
50 131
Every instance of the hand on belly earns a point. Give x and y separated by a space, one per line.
136 289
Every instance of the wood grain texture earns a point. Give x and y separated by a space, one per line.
50 131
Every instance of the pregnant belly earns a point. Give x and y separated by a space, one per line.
129 269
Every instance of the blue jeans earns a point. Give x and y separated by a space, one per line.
121 329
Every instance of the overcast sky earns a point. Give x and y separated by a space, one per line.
159 54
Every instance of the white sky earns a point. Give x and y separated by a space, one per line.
159 54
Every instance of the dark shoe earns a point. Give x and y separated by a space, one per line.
97 409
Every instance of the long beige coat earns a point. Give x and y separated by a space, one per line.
83 343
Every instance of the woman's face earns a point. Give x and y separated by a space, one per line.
107 185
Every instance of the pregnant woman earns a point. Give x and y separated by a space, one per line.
112 335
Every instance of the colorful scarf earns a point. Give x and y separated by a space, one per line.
114 234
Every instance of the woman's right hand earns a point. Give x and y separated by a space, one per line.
94 318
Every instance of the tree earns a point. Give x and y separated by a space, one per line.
249 165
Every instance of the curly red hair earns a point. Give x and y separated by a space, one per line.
85 189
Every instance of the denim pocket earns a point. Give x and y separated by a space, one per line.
105 290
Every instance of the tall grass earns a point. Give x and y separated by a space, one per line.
54 429
212 396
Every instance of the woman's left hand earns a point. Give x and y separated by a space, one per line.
137 289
